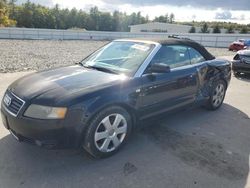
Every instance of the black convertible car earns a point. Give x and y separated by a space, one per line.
96 104
241 62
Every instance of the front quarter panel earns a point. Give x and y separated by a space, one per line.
123 93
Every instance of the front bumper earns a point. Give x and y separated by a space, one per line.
242 67
58 134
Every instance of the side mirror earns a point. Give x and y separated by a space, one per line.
159 68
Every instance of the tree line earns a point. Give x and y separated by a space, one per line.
33 15
217 26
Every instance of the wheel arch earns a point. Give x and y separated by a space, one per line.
130 110
220 72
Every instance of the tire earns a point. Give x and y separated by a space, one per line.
217 95
104 137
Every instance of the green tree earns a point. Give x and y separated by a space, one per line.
105 22
147 19
72 18
116 21
12 8
4 15
192 30
94 18
64 18
204 28
244 30
230 29
133 19
165 19
81 19
216 29
25 16
171 18
57 17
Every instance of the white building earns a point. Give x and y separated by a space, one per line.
165 28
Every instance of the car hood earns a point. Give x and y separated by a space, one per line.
244 52
60 82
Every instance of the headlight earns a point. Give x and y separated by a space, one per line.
45 112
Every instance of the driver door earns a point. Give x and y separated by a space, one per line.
167 91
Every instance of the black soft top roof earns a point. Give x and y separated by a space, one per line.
180 41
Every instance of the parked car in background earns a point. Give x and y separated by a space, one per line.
96 104
236 46
239 45
241 62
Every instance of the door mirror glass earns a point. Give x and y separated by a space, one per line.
159 68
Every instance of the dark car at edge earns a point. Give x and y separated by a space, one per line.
241 62
96 104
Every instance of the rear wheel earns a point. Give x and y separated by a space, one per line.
107 132
217 95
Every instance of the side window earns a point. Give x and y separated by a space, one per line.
195 56
172 55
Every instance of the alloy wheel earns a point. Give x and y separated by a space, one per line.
110 132
218 95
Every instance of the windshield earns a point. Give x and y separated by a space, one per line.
120 57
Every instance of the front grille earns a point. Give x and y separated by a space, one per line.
12 103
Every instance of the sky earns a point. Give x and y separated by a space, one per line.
184 10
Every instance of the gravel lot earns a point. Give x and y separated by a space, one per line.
23 55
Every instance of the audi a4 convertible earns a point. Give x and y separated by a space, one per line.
95 104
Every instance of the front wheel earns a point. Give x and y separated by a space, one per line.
217 95
107 132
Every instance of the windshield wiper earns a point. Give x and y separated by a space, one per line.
103 69
79 63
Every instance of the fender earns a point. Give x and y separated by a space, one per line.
124 95
210 72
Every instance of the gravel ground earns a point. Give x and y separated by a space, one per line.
220 52
23 55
